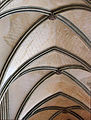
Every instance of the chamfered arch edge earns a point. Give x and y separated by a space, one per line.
44 78
82 36
25 64
30 113
62 109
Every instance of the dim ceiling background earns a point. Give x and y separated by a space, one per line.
45 59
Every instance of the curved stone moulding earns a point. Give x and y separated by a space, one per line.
13 51
62 110
7 63
30 113
72 63
43 68
7 4
50 76
15 74
48 12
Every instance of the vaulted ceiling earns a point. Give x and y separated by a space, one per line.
45 59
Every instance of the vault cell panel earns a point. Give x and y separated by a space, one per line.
83 76
56 84
70 41
45 115
58 101
53 59
41 3
82 19
20 88
65 117
83 113
17 25
39 40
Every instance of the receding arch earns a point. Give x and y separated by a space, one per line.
25 9
20 41
36 24
30 113
45 11
23 37
61 109
25 64
56 108
65 67
44 78
59 70
6 2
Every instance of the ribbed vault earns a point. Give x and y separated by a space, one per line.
45 59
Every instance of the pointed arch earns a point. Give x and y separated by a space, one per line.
31 112
44 78
25 64
61 109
